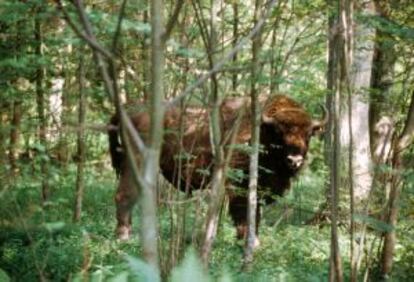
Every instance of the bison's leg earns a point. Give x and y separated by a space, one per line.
125 199
238 212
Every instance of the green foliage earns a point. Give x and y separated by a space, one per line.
3 276
391 27
141 270
40 242
373 223
190 269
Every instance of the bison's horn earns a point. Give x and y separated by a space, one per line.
319 124
266 118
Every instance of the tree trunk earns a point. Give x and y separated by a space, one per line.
235 6
148 196
58 100
217 183
381 81
144 58
356 119
40 101
335 84
15 135
254 157
403 142
80 183
4 111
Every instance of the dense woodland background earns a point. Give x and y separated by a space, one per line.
67 66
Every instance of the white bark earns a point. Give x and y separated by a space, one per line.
360 77
55 107
383 130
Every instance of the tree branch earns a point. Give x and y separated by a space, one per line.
173 19
118 26
89 40
217 67
110 86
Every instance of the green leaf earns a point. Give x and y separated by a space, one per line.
39 147
236 175
373 223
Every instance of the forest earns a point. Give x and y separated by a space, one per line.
286 125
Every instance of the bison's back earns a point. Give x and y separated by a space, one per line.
187 148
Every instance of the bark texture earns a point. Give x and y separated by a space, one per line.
252 240
80 183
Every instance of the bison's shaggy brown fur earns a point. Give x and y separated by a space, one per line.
187 155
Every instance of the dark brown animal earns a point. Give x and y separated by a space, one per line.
285 132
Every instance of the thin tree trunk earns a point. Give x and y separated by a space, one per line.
274 79
235 6
390 238
275 54
40 101
16 106
15 135
217 183
332 77
177 249
80 183
148 197
336 53
273 63
381 81
254 157
336 264
4 111
145 69
60 88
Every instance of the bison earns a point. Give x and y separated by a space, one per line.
186 156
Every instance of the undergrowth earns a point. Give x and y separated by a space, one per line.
40 242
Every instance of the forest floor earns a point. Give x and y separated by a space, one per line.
40 242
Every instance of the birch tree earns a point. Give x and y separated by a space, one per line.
356 117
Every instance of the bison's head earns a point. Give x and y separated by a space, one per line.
287 131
